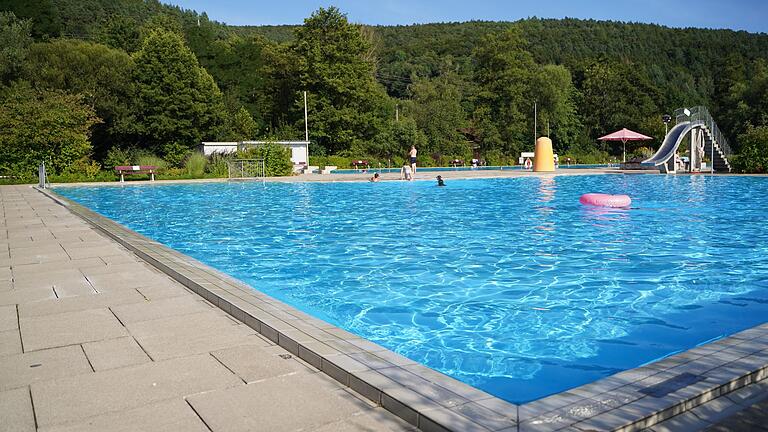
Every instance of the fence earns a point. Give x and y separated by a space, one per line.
246 168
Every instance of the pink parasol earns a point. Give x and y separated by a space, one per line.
625 135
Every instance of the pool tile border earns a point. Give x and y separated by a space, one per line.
432 401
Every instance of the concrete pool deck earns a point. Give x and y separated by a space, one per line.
683 390
94 339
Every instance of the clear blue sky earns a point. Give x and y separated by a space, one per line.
750 15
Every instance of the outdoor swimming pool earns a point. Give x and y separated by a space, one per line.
462 168
507 284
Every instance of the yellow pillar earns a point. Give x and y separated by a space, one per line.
544 158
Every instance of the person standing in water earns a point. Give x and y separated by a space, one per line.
413 153
440 181
405 172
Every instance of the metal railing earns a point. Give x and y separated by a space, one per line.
246 168
42 176
700 114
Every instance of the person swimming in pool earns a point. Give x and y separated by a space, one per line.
440 181
375 178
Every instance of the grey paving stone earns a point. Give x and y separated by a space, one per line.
164 290
266 406
114 353
369 421
8 318
173 415
36 270
716 409
16 411
23 369
189 334
43 274
108 268
38 256
10 343
240 360
76 251
123 259
750 394
683 422
69 328
73 399
73 304
485 417
134 279
163 308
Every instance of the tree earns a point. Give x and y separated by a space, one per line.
436 108
101 75
242 127
15 40
395 139
177 102
616 96
42 126
336 67
554 93
753 151
504 69
120 32
42 15
254 73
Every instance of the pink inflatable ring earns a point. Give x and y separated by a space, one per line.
605 200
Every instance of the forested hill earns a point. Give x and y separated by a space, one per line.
682 61
144 75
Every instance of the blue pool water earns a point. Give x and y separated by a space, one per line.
507 284
461 168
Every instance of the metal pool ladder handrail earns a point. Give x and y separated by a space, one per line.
42 176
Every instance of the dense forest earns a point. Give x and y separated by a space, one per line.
89 84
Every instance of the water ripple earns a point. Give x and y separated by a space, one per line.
507 284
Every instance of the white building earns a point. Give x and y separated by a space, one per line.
299 149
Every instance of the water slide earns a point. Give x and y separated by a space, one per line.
671 143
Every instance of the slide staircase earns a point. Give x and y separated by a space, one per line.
714 143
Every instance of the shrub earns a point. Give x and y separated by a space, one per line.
146 158
497 158
175 154
38 126
118 157
195 165
85 167
324 161
217 165
753 151
277 159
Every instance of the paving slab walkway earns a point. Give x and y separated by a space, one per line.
94 339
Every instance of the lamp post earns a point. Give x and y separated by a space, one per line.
666 118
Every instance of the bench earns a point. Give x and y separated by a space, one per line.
136 169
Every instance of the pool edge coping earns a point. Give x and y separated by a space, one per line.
431 400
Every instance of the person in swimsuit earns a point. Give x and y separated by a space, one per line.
413 158
440 181
375 178
405 172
